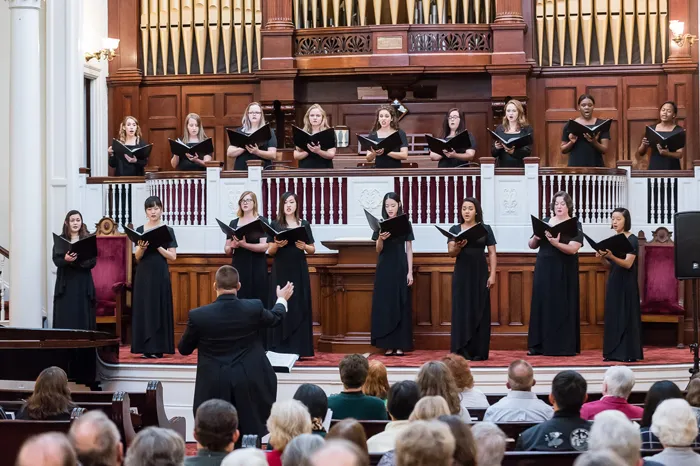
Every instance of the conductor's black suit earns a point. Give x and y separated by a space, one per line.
231 361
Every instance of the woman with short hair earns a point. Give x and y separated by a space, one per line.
675 425
288 419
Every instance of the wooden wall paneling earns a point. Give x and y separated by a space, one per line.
161 107
681 88
643 96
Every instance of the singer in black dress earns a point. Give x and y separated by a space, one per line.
514 125
313 156
74 294
452 125
193 134
661 158
130 136
392 322
471 285
622 336
295 335
587 151
386 124
152 308
253 119
554 310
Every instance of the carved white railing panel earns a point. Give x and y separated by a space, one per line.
318 195
183 196
662 198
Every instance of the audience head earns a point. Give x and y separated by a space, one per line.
402 399
300 449
674 423
377 383
245 457
353 371
315 400
490 443
693 394
435 379
462 373
156 446
429 408
599 458
351 430
465 448
521 377
612 430
658 392
618 381
287 420
50 449
216 424
51 395
96 440
569 391
339 453
226 280
426 443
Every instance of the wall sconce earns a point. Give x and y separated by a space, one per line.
108 51
677 28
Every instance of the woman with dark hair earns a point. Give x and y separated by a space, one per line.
514 125
351 430
658 392
587 152
554 309
386 124
392 323
622 337
465 448
50 400
451 127
295 335
316 401
152 316
74 293
471 285
661 158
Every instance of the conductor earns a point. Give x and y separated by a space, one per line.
231 361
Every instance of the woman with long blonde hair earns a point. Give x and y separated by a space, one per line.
130 136
193 134
514 125
386 124
313 156
252 120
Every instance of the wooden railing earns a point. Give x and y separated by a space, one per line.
183 195
117 196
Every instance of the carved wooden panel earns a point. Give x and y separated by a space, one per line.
161 109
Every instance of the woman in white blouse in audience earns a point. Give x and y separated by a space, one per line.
470 397
675 425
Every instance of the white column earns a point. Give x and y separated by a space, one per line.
26 233
488 192
213 189
532 183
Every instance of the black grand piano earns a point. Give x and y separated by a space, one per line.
24 353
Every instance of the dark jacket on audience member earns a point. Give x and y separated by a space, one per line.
566 431
23 415
357 405
206 458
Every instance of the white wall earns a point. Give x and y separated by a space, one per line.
4 125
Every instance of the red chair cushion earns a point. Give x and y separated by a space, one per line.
110 271
660 284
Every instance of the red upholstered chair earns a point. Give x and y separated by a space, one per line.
659 289
112 277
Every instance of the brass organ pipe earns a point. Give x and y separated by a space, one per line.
164 26
187 32
144 34
153 25
175 32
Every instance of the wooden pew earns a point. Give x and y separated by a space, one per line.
527 458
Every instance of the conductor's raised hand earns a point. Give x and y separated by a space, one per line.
384 236
285 292
70 257
281 244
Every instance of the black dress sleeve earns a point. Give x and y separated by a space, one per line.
404 139
524 151
59 259
455 230
272 142
579 233
112 160
173 243
603 134
88 264
565 133
635 244
472 141
490 237
410 236
308 231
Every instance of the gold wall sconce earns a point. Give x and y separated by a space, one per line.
108 51
677 28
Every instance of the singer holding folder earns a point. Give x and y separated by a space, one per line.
554 309
453 125
385 125
295 335
586 151
253 119
74 293
129 135
193 134
661 157
152 300
514 125
314 156
471 285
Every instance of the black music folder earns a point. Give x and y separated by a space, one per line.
256 226
292 235
397 226
389 144
472 234
156 237
567 228
325 138
459 143
258 137
672 143
140 153
85 248
618 244
512 141
579 129
200 149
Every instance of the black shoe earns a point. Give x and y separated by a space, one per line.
478 358
399 353
158 355
533 353
389 353
147 356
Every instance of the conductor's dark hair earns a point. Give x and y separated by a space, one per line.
226 278
402 398
660 391
626 215
569 390
394 119
673 104
353 370
477 206
392 195
314 398
152 201
567 198
216 423
583 97
446 123
281 218
82 233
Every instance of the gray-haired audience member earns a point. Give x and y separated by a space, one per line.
216 431
156 446
50 449
520 405
675 425
426 443
339 453
617 386
490 443
612 430
300 449
245 457
599 458
96 440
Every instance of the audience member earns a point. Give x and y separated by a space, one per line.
245 457
426 443
566 431
351 430
156 446
351 402
599 458
300 449
401 401
339 453
617 386
316 401
693 397
96 440
465 448
470 397
50 400
520 405
613 431
435 379
658 392
429 408
216 432
377 382
50 449
490 443
287 420
675 425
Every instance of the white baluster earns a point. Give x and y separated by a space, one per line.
323 182
652 200
268 182
665 183
672 209
170 195
331 184
304 199
401 195
340 200
410 196
438 213
659 209
313 200
464 186
543 182
420 182
447 199
455 205
428 210
113 209
473 193
189 190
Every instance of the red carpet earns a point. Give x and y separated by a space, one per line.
652 355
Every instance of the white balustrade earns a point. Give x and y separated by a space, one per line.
662 196
314 193
184 199
441 204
